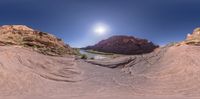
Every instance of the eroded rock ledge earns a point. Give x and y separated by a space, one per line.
41 42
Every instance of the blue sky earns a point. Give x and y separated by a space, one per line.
160 21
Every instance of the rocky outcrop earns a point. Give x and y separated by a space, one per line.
124 45
167 70
194 38
39 41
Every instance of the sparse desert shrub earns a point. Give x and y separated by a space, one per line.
76 51
171 44
84 56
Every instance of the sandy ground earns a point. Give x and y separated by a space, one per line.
27 74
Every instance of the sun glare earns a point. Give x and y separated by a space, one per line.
100 29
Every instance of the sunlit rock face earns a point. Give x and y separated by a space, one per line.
194 38
15 27
194 35
39 41
124 45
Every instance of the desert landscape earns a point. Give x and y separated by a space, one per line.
33 66
99 49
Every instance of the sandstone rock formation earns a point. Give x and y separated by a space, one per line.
23 71
39 41
166 71
124 45
194 38
169 70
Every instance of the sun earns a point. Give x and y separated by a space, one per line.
100 29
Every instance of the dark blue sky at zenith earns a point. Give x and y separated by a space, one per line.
160 21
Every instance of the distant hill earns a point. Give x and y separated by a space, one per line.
44 43
122 44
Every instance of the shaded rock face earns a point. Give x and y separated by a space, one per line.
41 42
124 45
